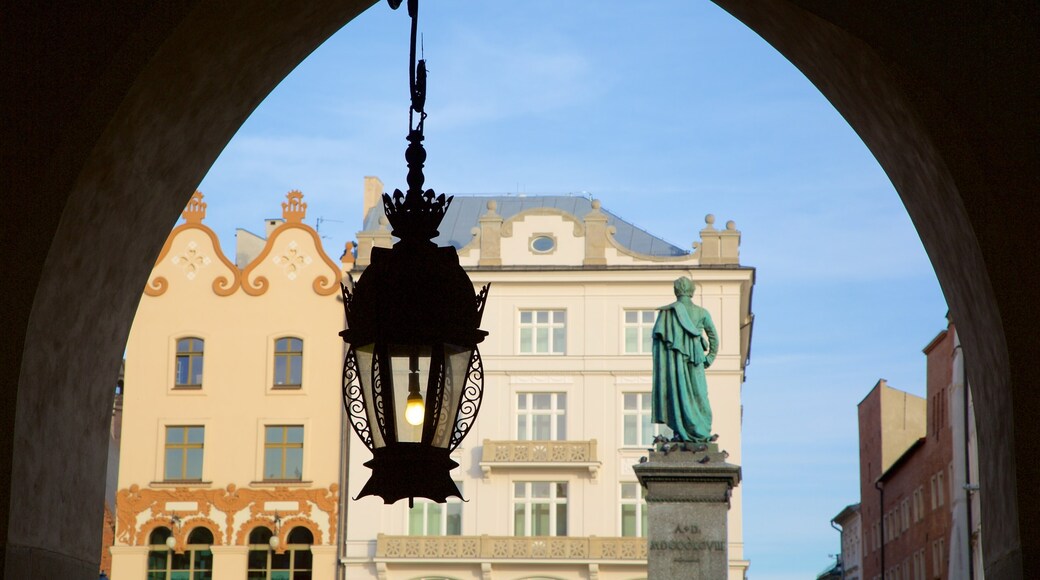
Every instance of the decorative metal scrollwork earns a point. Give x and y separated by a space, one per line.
380 394
354 399
482 301
347 296
469 404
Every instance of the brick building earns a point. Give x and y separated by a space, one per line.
907 473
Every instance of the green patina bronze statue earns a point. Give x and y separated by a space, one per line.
684 344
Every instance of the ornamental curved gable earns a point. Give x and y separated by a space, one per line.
622 250
292 255
192 255
579 225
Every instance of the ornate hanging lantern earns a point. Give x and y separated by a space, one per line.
412 378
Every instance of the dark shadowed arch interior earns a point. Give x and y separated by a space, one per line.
113 112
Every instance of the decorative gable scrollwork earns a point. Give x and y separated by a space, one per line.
193 258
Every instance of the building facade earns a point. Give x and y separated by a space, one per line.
910 488
850 559
547 469
230 456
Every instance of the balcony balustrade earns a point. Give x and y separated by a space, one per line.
540 454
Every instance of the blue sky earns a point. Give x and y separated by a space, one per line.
665 111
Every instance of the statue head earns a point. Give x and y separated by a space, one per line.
683 287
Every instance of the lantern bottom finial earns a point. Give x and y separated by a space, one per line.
410 470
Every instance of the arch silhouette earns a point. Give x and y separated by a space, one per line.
942 92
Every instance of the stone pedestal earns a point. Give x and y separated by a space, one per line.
687 497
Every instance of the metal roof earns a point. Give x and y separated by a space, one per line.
464 214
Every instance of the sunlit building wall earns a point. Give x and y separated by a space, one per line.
547 470
231 432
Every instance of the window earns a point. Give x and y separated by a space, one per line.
543 331
539 508
195 563
429 518
639 327
541 416
638 430
936 559
543 244
184 453
283 452
939 486
904 512
288 363
189 363
294 563
633 510
918 504
934 495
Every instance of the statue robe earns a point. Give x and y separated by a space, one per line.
681 335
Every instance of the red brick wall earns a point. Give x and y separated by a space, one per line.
914 472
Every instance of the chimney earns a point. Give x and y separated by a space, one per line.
271 224
373 194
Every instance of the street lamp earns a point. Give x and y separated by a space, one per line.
412 377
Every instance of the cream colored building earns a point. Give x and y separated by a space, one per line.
547 470
232 430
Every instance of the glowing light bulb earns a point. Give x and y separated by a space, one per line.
416 409
171 542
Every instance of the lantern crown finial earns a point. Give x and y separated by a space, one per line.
415 216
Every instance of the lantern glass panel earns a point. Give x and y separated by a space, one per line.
401 363
456 367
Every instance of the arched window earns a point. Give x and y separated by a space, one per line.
196 563
288 363
189 363
293 564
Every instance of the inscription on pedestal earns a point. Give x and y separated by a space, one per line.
686 544
687 503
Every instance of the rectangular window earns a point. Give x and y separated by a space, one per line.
939 485
543 331
918 504
184 453
638 430
934 496
541 416
633 510
639 326
189 363
539 508
288 363
935 559
428 518
904 509
283 452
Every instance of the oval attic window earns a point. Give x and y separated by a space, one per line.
543 244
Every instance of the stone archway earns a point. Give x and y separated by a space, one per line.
113 113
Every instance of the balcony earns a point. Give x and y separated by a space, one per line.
540 455
509 548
